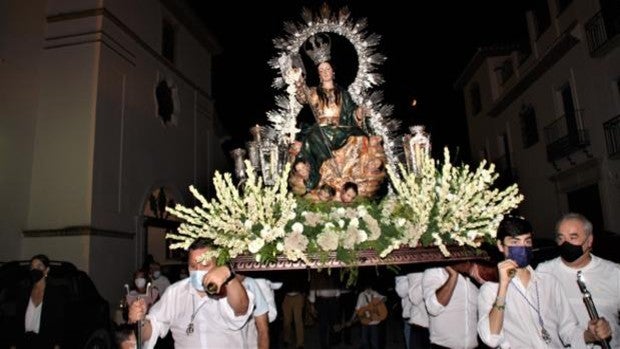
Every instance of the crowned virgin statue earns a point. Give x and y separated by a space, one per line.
338 156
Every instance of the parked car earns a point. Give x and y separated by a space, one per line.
87 313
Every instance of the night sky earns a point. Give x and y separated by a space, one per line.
427 48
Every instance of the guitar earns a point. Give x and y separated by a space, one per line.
373 312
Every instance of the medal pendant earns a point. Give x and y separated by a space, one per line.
545 335
190 328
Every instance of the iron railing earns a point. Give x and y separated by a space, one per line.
566 135
602 28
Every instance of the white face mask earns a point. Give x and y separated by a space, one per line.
195 278
140 282
156 274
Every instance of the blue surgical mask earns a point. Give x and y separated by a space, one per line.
195 278
522 255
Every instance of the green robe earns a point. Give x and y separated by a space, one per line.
318 142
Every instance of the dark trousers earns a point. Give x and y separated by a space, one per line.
328 309
420 337
370 337
347 302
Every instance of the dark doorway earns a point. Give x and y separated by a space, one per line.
587 201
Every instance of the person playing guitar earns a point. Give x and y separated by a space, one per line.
370 310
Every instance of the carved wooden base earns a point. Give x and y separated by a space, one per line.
367 258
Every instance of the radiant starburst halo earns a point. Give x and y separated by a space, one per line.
284 117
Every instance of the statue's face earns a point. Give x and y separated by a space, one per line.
348 195
302 169
326 73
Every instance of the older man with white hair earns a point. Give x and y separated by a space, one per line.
602 277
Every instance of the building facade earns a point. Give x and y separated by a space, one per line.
104 105
548 115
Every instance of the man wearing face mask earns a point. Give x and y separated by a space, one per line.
160 281
195 318
528 309
574 238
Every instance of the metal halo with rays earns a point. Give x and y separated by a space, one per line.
284 117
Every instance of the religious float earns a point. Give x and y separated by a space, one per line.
344 190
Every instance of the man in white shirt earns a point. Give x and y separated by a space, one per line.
409 289
401 286
323 297
257 328
160 281
418 317
371 310
602 277
451 299
527 309
196 319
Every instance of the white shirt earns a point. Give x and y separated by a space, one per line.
215 323
364 299
161 283
602 278
401 286
453 325
323 293
419 315
33 317
260 308
521 327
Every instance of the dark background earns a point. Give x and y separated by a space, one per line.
427 48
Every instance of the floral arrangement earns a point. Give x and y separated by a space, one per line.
440 205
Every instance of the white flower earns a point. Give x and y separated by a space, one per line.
327 241
349 237
255 245
298 227
295 241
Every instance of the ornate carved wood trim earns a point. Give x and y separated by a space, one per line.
367 258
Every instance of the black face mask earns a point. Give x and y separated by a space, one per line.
35 275
570 252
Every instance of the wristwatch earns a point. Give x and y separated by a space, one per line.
231 276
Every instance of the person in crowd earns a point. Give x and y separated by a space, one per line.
574 237
418 316
183 274
41 309
159 280
401 286
451 300
348 300
257 327
371 311
324 301
528 309
143 289
125 337
195 318
292 308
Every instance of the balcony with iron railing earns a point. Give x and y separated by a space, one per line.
566 135
612 137
602 31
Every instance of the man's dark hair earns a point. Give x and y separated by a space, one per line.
122 333
200 243
513 226
349 185
41 257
